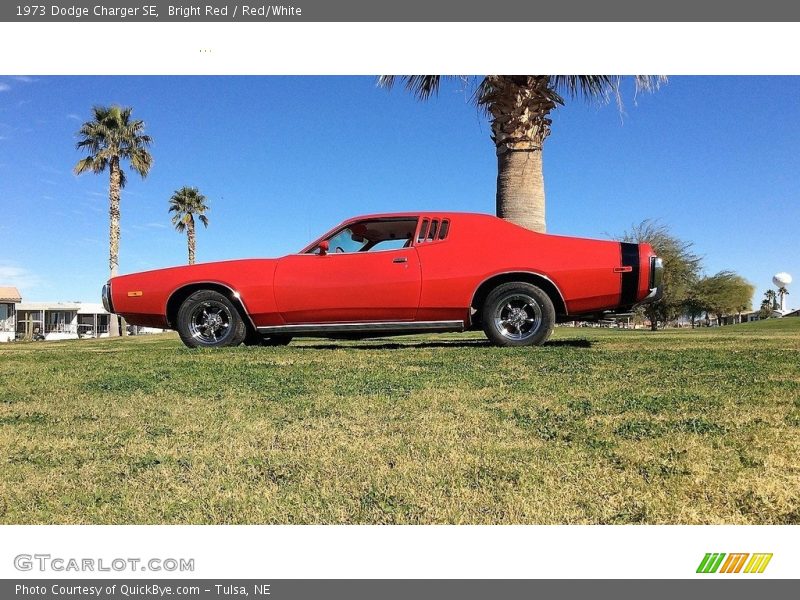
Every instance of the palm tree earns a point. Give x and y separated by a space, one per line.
111 137
185 203
780 301
771 297
519 108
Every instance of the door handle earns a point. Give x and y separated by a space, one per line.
400 259
623 269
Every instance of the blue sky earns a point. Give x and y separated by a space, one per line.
282 159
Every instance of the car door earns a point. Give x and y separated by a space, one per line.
378 286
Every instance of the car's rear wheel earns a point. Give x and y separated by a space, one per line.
207 319
518 314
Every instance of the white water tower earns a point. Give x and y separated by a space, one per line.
781 280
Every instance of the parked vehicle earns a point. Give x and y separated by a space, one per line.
395 274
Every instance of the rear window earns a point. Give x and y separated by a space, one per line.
423 231
433 230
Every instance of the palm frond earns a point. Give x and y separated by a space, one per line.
113 134
593 88
421 86
85 164
187 202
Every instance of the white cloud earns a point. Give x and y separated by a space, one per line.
18 277
74 117
23 78
4 87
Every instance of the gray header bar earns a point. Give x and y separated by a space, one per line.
403 589
408 11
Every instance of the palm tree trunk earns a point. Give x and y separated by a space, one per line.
520 107
113 234
190 240
520 188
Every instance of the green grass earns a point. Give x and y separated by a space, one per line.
597 426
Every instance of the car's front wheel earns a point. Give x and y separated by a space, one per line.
518 314
207 319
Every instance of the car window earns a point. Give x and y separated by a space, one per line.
389 245
423 231
372 235
432 231
346 241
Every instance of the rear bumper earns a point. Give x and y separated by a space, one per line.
655 295
656 281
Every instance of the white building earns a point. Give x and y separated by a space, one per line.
60 320
9 296
54 320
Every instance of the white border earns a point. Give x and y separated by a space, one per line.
378 48
404 552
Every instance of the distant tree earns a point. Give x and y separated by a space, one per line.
772 298
765 312
186 203
693 306
519 108
681 269
726 293
782 291
111 137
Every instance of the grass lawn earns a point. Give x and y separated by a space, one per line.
597 426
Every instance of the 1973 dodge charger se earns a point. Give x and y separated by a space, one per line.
395 274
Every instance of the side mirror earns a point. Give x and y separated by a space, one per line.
323 247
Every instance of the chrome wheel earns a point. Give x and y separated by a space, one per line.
209 322
518 317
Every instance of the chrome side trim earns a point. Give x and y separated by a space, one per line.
234 293
356 327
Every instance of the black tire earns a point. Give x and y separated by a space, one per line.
207 319
518 314
273 340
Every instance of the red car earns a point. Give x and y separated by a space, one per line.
395 274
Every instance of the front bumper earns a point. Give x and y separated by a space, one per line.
106 297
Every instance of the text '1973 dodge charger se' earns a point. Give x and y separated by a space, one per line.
395 274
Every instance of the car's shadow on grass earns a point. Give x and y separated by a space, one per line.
568 344
425 345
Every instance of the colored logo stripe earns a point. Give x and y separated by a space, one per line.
733 564
710 562
758 563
